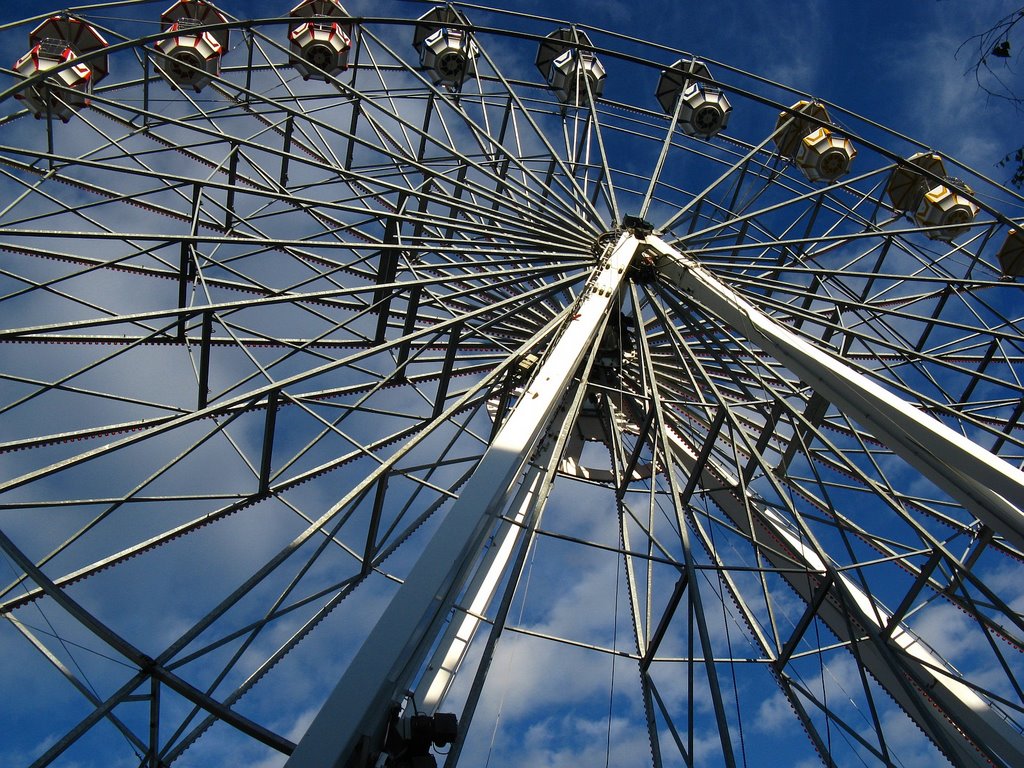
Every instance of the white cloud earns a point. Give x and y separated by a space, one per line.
774 713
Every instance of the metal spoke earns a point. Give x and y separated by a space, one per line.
360 371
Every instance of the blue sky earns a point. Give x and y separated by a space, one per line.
892 62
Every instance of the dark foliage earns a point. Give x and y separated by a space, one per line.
991 59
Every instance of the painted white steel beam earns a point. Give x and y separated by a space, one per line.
952 714
960 721
447 659
390 657
990 488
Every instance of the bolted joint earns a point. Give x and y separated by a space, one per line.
524 368
410 737
603 245
644 267
640 228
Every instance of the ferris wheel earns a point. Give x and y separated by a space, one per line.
444 385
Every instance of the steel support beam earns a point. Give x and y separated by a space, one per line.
289 127
919 680
204 360
990 488
229 204
481 590
942 705
386 271
537 488
446 369
358 708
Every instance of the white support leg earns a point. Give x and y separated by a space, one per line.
990 488
459 633
993 490
385 664
925 687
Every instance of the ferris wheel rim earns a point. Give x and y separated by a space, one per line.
549 304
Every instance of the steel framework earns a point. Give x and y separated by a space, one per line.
358 369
